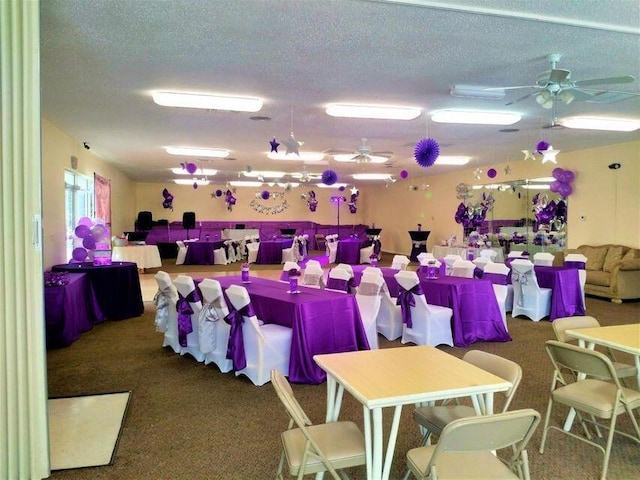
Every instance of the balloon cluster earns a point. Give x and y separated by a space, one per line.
312 203
473 215
88 234
168 199
352 202
553 213
562 184
229 199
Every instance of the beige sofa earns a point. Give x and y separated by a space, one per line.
613 271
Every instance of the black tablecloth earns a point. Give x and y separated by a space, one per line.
116 286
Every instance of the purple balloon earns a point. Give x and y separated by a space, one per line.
557 172
89 242
404 174
565 190
569 176
265 194
555 186
98 232
82 231
85 221
191 168
491 173
79 254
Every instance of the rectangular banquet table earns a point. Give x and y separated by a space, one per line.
349 250
201 253
145 256
566 296
70 310
117 287
322 322
270 251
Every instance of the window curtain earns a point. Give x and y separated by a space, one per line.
102 191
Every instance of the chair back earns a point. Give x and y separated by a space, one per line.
185 285
500 367
580 360
338 280
463 268
212 294
481 262
165 285
488 253
374 270
313 276
449 260
369 300
561 325
347 267
239 298
515 254
575 260
286 268
400 262
424 257
407 279
165 301
314 264
543 258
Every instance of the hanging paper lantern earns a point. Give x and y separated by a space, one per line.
342 188
218 193
404 174
329 177
491 173
195 185
426 152
265 194
542 146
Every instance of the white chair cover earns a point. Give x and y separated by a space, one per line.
252 252
424 257
188 295
338 280
365 254
182 252
220 256
369 298
543 258
166 315
463 268
286 268
481 262
515 253
400 262
332 249
582 272
449 260
292 253
503 291
266 347
313 276
488 253
231 255
528 298
347 267
214 331
430 324
375 270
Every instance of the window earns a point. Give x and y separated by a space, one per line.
79 202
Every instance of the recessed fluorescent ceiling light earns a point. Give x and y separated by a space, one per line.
371 176
351 157
303 156
244 183
208 102
198 152
601 123
452 160
470 91
475 117
189 181
335 185
542 186
200 171
255 174
373 111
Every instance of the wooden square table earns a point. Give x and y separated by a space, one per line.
393 377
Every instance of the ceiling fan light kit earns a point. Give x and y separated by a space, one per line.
207 102
475 117
601 123
380 112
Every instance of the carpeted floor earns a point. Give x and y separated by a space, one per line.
189 421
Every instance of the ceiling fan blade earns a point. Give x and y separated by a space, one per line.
611 96
511 88
521 98
558 75
605 81
382 154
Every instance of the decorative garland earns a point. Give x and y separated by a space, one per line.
266 194
258 207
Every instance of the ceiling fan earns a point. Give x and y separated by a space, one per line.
362 154
557 85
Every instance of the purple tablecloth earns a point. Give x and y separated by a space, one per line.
566 296
201 253
70 310
270 251
322 322
476 314
349 250
117 287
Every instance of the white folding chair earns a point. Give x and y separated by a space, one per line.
189 305
430 324
543 258
182 252
529 299
338 280
266 346
498 273
578 261
463 268
214 331
449 260
166 315
369 299
400 262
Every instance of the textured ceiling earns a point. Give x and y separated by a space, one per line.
101 59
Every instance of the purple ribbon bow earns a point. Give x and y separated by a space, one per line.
377 246
183 307
406 301
235 347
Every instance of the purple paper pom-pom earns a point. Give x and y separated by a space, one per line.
195 185
491 173
329 177
265 194
426 152
404 174
218 193
542 146
342 188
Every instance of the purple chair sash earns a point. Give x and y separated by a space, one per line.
377 246
235 347
406 301
496 278
183 307
337 284
578 265
477 272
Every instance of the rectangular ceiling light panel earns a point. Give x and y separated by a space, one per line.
371 176
602 123
190 181
198 152
452 160
373 111
207 102
475 117
200 171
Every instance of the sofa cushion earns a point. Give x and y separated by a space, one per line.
614 255
599 278
631 254
595 257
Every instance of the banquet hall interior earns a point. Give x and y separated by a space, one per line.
104 166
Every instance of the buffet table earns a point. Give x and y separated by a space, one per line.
349 250
201 253
145 256
270 251
117 287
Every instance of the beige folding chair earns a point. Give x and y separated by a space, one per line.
309 448
561 325
433 419
464 450
598 398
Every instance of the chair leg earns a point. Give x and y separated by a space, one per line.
425 438
545 430
607 452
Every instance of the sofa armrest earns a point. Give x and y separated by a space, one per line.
629 264
625 279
